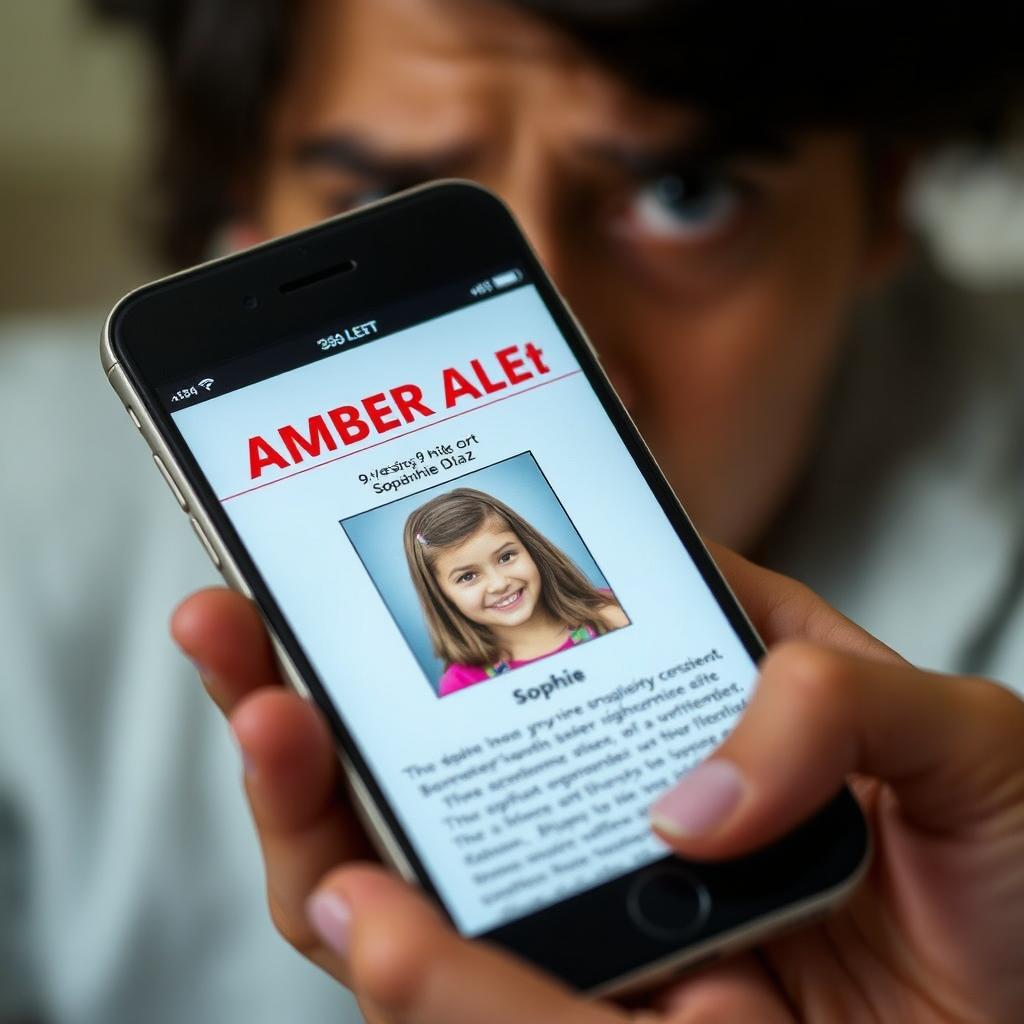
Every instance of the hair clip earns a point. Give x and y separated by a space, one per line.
422 540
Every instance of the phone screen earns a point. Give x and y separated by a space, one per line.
493 598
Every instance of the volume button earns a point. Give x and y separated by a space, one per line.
207 546
175 490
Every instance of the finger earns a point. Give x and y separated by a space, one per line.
409 967
739 990
948 747
224 636
783 609
304 823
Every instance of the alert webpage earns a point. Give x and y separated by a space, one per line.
503 617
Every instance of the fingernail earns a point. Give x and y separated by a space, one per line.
205 675
700 801
329 915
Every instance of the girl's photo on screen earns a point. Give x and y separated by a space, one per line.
493 589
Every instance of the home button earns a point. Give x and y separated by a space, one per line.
668 903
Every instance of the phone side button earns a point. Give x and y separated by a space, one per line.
214 557
668 903
175 490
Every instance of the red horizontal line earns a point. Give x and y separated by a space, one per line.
398 437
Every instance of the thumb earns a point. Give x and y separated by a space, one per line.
405 964
949 748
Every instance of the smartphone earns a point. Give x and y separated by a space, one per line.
390 432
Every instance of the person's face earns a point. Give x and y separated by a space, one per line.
713 273
490 577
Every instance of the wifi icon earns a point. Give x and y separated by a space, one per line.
206 382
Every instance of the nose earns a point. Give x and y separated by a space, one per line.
528 183
530 187
496 581
537 220
574 278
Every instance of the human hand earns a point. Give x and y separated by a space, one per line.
939 770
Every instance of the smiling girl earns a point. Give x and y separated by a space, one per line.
497 594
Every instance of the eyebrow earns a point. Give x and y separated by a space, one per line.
347 152
496 551
717 144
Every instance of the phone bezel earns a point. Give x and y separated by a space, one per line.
412 243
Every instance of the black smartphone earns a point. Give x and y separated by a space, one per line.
390 432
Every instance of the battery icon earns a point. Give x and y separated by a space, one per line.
507 279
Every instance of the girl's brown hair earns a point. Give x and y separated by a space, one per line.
449 519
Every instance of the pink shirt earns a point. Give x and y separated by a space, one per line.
458 677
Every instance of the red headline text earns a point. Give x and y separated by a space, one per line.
391 409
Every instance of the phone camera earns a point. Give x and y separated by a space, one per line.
250 302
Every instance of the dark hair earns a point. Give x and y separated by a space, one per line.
218 65
894 70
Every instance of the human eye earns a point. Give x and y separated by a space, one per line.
684 206
507 556
466 577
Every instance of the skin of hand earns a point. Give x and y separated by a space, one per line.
937 763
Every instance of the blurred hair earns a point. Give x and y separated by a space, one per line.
218 66
902 70
449 519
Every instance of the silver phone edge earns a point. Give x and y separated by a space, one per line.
381 835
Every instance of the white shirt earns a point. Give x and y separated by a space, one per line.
910 518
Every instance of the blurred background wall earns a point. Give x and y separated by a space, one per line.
72 132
